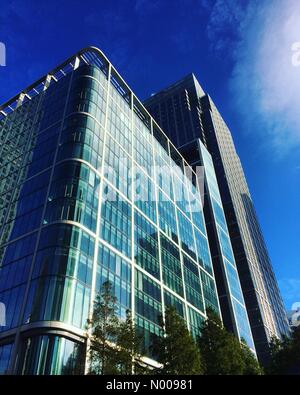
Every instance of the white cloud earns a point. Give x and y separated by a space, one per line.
265 84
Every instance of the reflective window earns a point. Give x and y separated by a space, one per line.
219 214
144 194
203 253
111 267
61 281
5 353
116 221
196 321
146 245
12 299
22 225
167 218
243 324
147 297
234 282
119 126
171 265
181 193
87 95
192 283
149 332
118 166
74 199
197 214
171 300
82 137
187 241
51 355
209 292
226 246
142 147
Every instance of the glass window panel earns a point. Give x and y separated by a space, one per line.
116 221
171 265
146 245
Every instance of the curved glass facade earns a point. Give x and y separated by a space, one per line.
230 292
51 355
84 198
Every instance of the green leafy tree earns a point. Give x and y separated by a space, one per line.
251 365
115 345
176 349
129 344
105 328
285 355
295 348
277 363
221 351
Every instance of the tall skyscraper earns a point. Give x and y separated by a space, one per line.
91 190
186 113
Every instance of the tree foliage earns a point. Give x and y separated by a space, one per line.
115 345
285 355
221 351
129 344
176 349
105 328
251 365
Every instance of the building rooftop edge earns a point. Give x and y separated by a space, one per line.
165 90
68 61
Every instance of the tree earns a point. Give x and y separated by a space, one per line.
296 348
176 349
251 365
105 327
115 346
277 363
285 355
221 351
129 344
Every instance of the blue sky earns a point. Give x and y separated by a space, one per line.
241 53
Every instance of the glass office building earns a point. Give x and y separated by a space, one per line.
186 113
91 190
